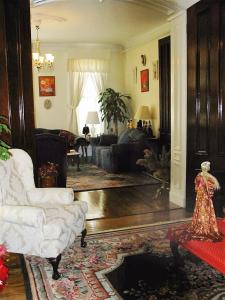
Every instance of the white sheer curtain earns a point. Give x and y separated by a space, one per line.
77 83
80 71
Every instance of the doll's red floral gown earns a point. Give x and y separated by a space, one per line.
203 226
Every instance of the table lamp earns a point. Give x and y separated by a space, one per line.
92 119
143 113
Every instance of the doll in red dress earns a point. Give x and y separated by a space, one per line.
204 225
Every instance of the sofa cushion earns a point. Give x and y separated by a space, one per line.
124 137
131 136
107 139
136 135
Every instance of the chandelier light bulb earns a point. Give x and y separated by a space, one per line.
49 57
41 58
40 61
35 55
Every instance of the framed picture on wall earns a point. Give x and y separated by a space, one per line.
145 80
46 86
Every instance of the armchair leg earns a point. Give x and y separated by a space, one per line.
54 261
83 234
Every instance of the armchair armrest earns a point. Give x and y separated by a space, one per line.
61 196
23 215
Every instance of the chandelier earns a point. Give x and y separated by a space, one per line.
39 61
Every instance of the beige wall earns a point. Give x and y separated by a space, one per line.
133 66
122 77
56 116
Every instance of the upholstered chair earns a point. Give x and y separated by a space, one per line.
37 221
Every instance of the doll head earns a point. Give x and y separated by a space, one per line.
205 166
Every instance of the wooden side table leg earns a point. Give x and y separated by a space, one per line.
78 163
82 148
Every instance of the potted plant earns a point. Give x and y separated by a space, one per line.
47 175
4 147
113 107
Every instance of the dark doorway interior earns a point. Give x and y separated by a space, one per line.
164 92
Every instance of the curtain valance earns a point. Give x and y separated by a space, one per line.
88 65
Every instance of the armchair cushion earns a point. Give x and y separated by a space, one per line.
23 215
55 196
14 192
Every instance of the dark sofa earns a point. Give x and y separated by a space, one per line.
121 156
99 143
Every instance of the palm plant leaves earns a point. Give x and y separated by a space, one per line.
113 107
4 128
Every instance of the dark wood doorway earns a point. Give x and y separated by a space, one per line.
16 85
164 92
206 95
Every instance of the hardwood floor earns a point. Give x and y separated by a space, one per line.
108 209
126 201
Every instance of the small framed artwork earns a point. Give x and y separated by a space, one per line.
155 68
145 80
135 75
46 86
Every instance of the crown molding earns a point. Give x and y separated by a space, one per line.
148 36
185 4
68 46
161 6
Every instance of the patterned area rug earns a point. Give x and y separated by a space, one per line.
127 264
90 177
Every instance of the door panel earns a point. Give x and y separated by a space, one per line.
16 85
206 95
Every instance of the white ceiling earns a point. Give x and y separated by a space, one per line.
100 21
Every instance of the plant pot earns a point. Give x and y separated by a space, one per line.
48 181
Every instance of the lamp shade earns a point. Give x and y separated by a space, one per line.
92 118
143 113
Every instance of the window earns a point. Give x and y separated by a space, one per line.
88 102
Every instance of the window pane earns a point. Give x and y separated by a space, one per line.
89 102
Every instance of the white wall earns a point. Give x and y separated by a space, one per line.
178 108
56 116
133 66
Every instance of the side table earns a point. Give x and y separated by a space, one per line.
74 156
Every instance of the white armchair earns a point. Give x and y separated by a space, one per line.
37 221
